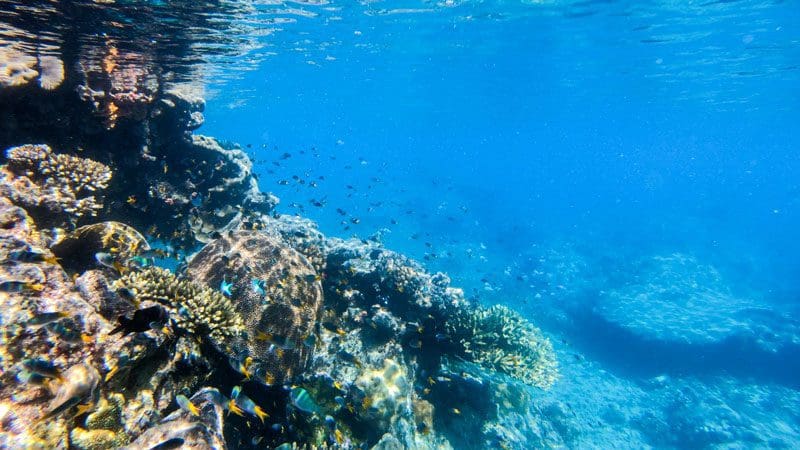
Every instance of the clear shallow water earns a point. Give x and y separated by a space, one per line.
666 125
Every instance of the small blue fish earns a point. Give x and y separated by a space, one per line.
140 262
187 405
225 288
310 340
258 286
25 376
42 367
303 401
339 400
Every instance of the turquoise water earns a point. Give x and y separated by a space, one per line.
554 155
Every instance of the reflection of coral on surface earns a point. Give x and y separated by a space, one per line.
499 339
53 187
117 83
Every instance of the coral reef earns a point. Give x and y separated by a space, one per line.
185 430
321 342
501 340
196 309
56 189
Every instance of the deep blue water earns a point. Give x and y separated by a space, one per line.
631 127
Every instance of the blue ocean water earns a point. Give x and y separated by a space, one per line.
552 155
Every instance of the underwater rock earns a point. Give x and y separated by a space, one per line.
678 299
182 429
56 189
302 235
274 290
78 250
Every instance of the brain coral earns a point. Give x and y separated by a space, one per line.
274 289
501 340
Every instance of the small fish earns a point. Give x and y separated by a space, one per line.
330 422
284 446
225 288
250 407
17 286
242 366
281 342
154 253
303 401
338 385
45 318
169 444
456 411
258 286
269 379
140 262
187 405
143 320
42 367
131 200
110 261
31 256
347 356
310 340
339 400
338 436
232 407
67 332
26 376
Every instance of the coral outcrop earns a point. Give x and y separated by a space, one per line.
276 292
56 189
501 340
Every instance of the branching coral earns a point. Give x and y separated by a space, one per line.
500 339
37 178
197 309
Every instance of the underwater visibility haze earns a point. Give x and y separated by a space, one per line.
399 224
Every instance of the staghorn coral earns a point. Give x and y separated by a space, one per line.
56 189
499 339
197 309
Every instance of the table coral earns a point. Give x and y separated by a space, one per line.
55 189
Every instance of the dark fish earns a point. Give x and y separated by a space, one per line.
169 444
30 256
45 318
20 286
42 367
143 320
